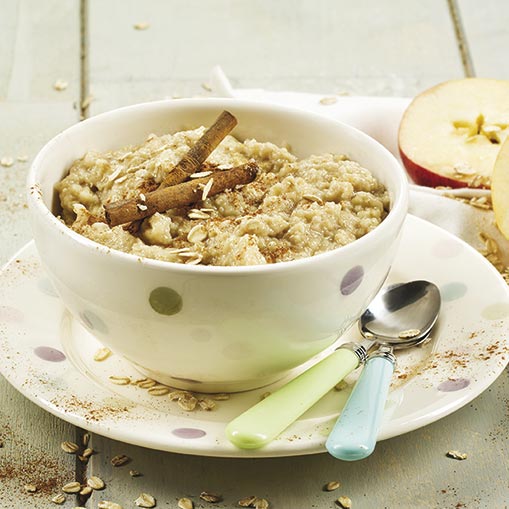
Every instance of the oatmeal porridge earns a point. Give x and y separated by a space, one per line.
294 208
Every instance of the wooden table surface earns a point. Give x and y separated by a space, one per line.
365 47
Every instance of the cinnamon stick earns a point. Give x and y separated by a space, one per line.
197 154
179 195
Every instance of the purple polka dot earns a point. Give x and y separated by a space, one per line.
8 314
46 353
188 433
454 385
351 280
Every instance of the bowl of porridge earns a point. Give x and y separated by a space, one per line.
216 244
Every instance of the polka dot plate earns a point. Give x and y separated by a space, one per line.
49 357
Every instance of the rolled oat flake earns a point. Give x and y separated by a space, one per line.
145 500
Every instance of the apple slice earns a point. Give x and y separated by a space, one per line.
451 134
500 189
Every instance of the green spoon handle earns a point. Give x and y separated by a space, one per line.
266 420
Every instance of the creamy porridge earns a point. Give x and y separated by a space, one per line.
295 208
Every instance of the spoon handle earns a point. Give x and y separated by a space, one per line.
354 434
263 422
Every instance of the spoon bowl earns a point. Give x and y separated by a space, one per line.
402 315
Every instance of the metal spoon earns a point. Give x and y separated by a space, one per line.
401 316
263 422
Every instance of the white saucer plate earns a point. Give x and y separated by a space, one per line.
48 356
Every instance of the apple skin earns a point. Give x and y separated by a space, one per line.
424 177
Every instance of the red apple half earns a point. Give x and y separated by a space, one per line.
451 134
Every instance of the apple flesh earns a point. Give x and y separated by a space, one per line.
500 190
450 135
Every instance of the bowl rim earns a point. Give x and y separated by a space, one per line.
396 213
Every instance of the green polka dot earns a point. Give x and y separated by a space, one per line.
496 311
165 301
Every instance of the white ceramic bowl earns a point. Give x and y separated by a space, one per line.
214 328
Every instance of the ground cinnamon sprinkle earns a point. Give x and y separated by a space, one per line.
33 467
90 410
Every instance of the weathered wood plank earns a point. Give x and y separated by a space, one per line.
487 36
326 46
39 43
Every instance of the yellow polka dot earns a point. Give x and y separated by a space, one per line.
496 311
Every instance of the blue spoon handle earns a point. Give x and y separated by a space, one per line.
354 434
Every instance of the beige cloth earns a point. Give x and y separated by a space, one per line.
380 118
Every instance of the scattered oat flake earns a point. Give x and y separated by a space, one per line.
72 487
200 174
96 483
86 491
197 234
185 503
409 334
312 198
328 100
60 85
119 460
188 403
332 485
206 189
86 102
176 395
120 380
121 179
143 25
102 354
88 452
197 215
145 500
141 207
22 159
344 502
247 501
58 499
206 404
134 473
210 497
106 504
30 488
159 390
206 87
265 395
69 447
195 261
6 162
456 455
85 439
261 503
147 384
143 197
